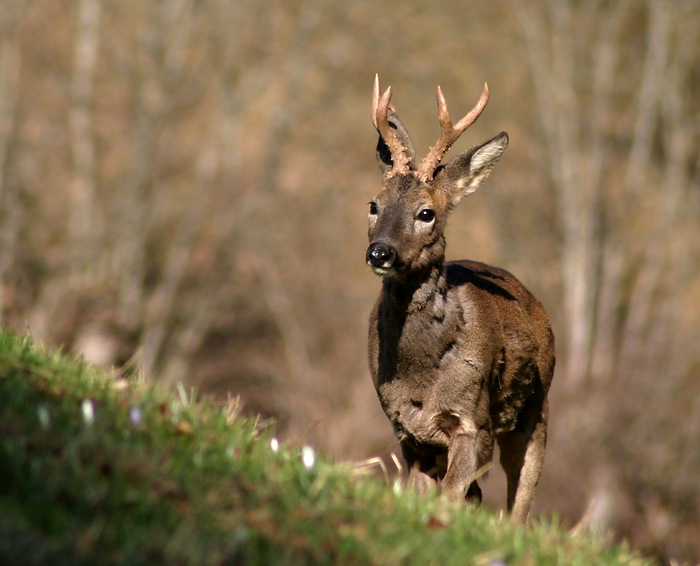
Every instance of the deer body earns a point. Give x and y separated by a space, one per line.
460 352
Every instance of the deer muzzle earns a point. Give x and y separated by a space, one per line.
380 257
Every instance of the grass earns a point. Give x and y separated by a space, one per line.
98 470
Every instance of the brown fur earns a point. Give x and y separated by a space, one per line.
460 352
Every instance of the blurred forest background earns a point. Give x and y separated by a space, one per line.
183 189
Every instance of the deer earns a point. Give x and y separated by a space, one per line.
461 353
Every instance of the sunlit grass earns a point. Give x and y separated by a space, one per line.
98 470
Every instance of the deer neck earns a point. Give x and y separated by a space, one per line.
425 292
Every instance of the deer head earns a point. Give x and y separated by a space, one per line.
407 218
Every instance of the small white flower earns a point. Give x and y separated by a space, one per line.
42 413
308 457
274 445
135 416
88 410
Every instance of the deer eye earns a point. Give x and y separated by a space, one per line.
373 208
426 215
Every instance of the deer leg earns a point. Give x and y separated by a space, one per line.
522 455
459 480
421 470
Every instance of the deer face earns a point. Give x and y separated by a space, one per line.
406 226
407 218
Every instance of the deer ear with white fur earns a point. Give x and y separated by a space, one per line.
466 172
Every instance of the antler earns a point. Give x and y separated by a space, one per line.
449 133
400 154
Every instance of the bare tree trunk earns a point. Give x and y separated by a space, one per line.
135 198
10 215
661 263
83 219
553 64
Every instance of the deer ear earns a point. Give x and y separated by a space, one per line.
384 154
465 173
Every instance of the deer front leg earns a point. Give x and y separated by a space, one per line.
421 470
459 481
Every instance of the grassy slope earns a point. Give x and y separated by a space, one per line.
93 470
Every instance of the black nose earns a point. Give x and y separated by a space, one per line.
380 255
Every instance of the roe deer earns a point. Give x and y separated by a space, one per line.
460 352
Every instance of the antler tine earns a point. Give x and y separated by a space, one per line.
375 101
380 108
449 133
